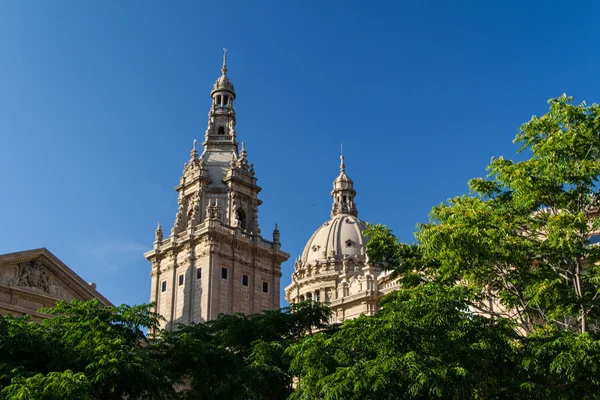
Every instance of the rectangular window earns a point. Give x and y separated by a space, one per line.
198 273
180 279
163 286
245 280
223 273
266 287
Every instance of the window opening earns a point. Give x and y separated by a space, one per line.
223 273
245 280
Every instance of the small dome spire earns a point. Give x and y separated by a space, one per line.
223 83
224 67
343 193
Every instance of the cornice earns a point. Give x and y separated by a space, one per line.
66 275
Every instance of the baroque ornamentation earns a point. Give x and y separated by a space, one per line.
35 276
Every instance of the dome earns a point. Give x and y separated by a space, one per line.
223 83
343 234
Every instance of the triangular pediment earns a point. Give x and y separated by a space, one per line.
36 278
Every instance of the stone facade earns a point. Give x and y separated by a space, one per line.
32 279
334 267
215 259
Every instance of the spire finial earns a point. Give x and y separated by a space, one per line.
194 153
158 234
342 164
224 68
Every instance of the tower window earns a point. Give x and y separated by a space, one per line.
265 287
223 273
218 100
245 280
180 279
198 273
221 130
163 286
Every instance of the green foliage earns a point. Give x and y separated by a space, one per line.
89 351
240 356
424 343
522 239
53 386
86 350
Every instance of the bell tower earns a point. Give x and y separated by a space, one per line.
215 259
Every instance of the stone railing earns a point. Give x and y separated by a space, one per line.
220 138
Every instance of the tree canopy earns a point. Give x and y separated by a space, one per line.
90 351
498 296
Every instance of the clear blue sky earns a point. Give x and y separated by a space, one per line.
100 102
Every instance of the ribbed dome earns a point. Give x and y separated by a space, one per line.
343 234
223 83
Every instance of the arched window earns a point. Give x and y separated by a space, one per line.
317 296
221 131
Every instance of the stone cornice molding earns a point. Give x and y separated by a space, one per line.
25 293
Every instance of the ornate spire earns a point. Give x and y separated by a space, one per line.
223 83
343 193
194 153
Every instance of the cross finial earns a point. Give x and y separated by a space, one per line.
224 68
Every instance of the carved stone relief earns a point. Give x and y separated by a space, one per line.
35 276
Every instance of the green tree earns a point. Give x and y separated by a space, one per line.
240 356
86 350
423 343
522 238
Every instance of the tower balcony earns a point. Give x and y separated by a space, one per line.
223 108
220 138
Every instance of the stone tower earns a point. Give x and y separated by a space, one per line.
215 259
